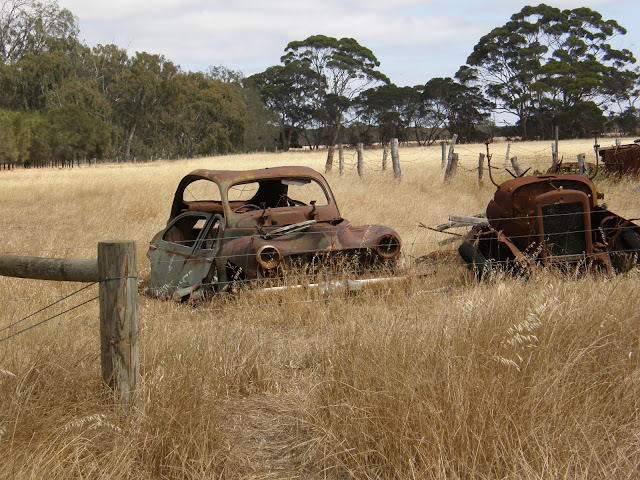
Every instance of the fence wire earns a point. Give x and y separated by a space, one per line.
50 305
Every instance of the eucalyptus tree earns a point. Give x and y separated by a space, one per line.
15 138
28 26
139 96
203 115
285 91
340 69
545 62
390 108
456 105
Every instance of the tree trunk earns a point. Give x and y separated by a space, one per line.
329 164
333 137
289 134
127 152
417 130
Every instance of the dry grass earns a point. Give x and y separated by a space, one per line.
512 379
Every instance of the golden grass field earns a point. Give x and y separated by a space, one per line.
436 377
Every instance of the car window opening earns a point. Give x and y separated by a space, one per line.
185 230
282 193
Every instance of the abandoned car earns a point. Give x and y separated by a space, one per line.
550 219
237 226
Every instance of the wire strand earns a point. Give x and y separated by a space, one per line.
47 319
11 325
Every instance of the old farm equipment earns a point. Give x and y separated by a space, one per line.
227 227
550 219
621 159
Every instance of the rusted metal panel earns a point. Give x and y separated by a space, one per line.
622 159
260 235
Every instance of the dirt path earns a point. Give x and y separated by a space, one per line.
266 438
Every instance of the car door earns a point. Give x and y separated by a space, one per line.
183 253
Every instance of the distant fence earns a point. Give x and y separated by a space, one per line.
116 271
450 160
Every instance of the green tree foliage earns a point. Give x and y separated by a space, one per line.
341 69
388 107
139 96
14 138
545 63
261 130
32 27
285 91
208 116
73 134
87 103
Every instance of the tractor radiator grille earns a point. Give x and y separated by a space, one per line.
564 230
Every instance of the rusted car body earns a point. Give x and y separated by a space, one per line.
236 226
621 159
545 219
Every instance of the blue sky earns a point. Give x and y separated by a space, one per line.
414 40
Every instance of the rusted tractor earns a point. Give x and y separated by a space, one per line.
550 219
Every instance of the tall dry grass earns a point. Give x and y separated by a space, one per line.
433 377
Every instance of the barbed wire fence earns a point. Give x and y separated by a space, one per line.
419 242
361 160
115 271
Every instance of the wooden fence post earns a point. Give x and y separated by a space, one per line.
118 294
385 155
581 166
480 169
516 166
329 165
341 159
443 146
360 147
395 159
506 157
554 149
451 167
454 139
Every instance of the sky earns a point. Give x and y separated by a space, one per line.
413 40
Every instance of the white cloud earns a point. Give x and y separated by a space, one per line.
414 39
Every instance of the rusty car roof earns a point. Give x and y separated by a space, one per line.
232 176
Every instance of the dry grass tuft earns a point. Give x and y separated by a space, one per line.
437 376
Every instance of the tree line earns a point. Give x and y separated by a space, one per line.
63 101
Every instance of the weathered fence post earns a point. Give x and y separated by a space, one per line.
329 165
451 167
341 159
581 166
395 159
360 147
385 155
554 149
506 157
117 269
480 168
454 139
443 146
516 166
